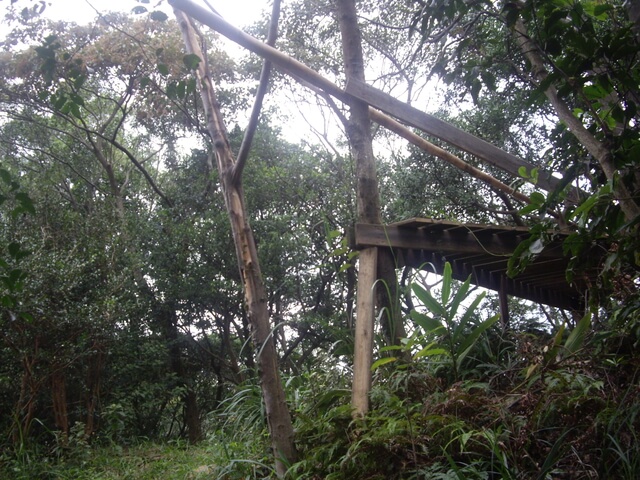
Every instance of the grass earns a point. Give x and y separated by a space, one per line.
146 461
151 461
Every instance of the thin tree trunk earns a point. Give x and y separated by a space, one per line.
93 382
192 416
278 416
599 151
368 210
25 407
59 400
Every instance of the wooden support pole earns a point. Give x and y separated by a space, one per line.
363 354
303 73
504 303
451 134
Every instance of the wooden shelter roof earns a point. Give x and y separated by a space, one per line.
483 252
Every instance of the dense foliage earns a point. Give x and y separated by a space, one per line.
123 320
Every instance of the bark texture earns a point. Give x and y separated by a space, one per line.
368 209
599 151
278 417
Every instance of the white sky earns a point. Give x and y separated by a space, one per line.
305 122
237 12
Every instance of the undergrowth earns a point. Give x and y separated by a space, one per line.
573 419
466 400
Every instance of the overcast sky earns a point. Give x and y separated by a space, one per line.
237 12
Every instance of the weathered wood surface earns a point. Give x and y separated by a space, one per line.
431 125
277 412
438 128
363 354
483 252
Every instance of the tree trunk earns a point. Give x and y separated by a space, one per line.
599 151
192 416
368 211
25 407
191 411
59 400
93 382
278 417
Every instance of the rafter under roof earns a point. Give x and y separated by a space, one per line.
483 252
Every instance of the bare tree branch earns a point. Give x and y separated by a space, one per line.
265 74
599 151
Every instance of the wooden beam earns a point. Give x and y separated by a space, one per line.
482 252
363 348
284 62
458 241
307 76
561 296
401 130
444 131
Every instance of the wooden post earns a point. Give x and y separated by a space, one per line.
276 409
363 347
504 303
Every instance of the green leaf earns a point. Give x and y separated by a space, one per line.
446 283
600 10
59 102
14 249
391 348
163 69
181 89
191 85
431 351
460 295
344 267
537 198
460 329
578 335
172 90
574 244
522 171
75 110
520 258
5 175
353 255
77 99
7 301
382 361
594 92
535 175
532 207
469 341
79 82
431 303
585 207
191 61
428 324
158 16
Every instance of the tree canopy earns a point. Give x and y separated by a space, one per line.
129 241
